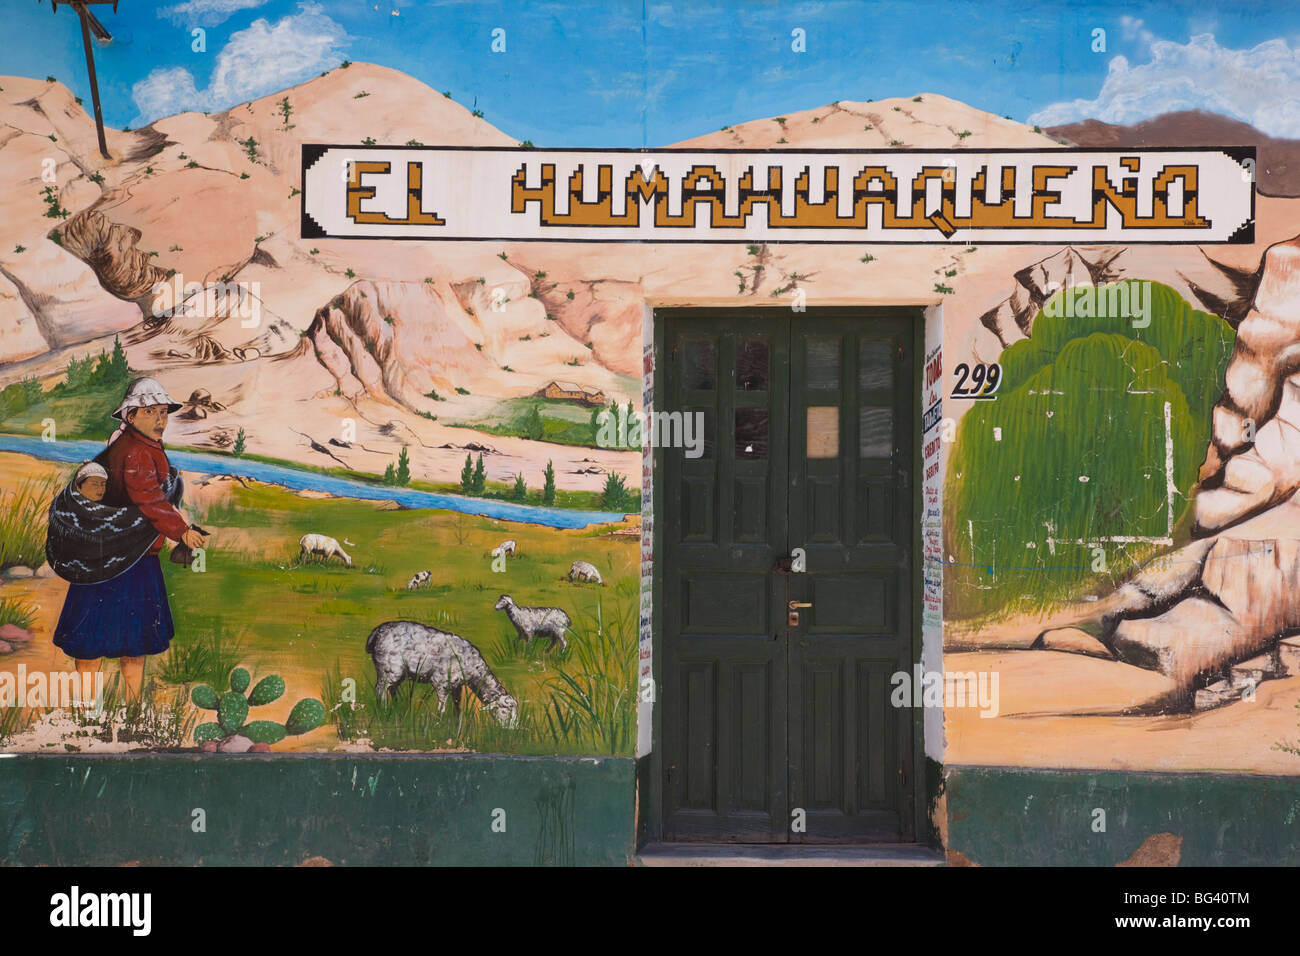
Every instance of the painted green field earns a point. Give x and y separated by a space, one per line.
79 414
255 604
562 423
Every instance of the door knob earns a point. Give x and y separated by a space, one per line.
795 605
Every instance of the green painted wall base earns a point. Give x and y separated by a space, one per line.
1012 817
279 810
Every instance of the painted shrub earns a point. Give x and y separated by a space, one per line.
1074 454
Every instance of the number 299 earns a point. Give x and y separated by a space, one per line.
977 381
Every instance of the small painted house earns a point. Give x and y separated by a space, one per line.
571 392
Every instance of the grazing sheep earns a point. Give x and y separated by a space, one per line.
422 579
531 621
505 547
323 545
582 571
447 662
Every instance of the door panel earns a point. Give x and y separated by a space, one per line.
852 376
724 607
807 447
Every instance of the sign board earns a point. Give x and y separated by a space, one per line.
814 196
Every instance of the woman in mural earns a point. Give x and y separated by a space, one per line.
106 530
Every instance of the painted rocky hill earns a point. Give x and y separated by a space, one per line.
1278 159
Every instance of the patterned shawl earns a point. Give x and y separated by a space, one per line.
90 541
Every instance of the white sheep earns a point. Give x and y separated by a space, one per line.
323 545
407 650
531 621
582 571
422 579
505 547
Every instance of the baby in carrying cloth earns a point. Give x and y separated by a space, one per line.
91 481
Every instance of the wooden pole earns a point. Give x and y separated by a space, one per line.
94 83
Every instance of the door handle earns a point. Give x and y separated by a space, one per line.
795 605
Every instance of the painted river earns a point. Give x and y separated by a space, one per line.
297 480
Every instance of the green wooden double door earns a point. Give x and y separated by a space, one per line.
787 576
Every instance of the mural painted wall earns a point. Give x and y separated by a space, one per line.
380 431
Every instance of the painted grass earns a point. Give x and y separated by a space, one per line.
14 611
309 622
13 721
207 659
24 518
160 719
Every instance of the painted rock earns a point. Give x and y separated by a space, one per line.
238 744
45 571
260 749
209 747
5 647
19 571
13 634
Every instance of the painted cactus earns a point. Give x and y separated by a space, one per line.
232 711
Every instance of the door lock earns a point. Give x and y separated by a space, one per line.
793 618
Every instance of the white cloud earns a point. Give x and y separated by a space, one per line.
1132 28
1260 86
206 13
262 59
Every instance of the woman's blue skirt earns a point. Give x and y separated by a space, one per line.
125 616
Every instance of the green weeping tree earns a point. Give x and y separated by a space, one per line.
1075 454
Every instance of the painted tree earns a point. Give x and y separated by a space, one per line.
467 476
403 468
548 488
1089 456
615 496
118 370
533 427
479 483
520 491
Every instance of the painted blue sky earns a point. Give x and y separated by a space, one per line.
624 73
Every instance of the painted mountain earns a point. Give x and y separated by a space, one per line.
441 346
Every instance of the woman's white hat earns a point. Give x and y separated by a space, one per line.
90 469
144 392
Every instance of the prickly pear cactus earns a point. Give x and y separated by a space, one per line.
269 688
205 697
209 731
264 732
307 715
232 711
